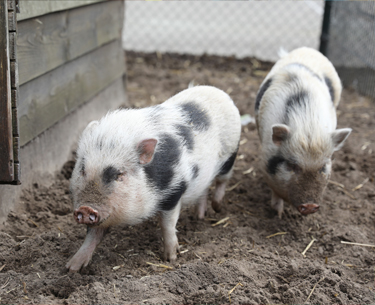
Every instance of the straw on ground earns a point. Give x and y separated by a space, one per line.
314 287
357 244
308 246
278 233
229 293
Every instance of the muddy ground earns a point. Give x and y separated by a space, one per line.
242 253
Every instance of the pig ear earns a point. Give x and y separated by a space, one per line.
280 133
339 136
90 126
146 150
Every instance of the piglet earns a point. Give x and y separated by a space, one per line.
296 119
135 163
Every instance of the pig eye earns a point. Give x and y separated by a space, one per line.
119 176
293 167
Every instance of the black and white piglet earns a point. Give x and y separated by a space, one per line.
135 163
296 118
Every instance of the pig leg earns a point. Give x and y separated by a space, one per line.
83 256
219 194
202 205
277 204
168 221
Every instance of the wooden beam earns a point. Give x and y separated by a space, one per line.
34 8
50 41
6 149
48 98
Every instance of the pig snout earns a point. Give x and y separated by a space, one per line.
86 215
308 208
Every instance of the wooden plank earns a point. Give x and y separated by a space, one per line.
12 21
47 99
52 40
14 98
6 150
34 8
14 81
11 5
17 173
12 45
16 147
15 130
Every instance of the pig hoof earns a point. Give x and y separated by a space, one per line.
86 215
78 261
308 208
170 253
201 214
216 206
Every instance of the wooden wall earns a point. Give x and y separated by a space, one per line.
65 58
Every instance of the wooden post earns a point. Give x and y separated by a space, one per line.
9 134
6 143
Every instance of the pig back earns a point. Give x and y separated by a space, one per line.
208 132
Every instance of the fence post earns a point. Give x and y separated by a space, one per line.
324 37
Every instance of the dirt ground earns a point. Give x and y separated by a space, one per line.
240 261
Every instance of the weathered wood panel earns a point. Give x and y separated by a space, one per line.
6 149
52 40
12 45
47 99
34 8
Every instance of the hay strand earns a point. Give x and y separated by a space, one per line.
348 194
117 267
159 265
360 185
276 234
220 221
243 141
2 267
308 246
357 244
35 224
312 290
248 171
336 183
230 292
234 186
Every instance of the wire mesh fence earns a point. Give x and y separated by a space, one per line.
350 43
258 29
239 28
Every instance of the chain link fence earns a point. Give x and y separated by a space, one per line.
227 28
258 29
349 42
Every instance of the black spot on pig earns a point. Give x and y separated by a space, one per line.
160 170
330 87
196 116
110 174
226 167
195 171
261 92
186 133
295 103
83 167
171 199
273 163
305 68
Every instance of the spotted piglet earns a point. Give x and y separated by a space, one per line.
135 163
296 119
